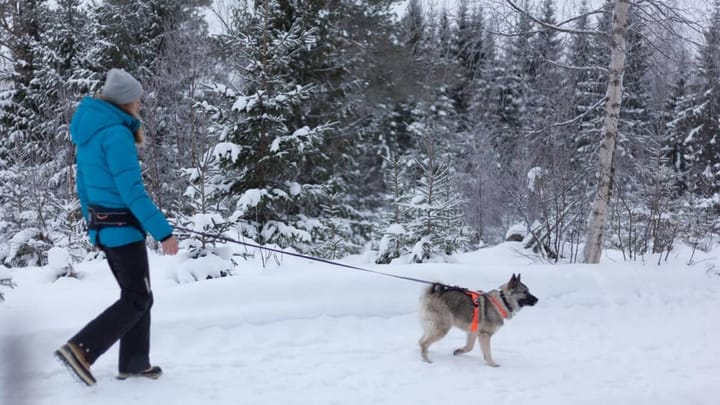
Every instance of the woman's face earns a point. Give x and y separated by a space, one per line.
134 108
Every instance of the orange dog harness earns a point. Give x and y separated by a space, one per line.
475 295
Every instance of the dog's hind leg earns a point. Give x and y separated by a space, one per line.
485 346
468 345
433 332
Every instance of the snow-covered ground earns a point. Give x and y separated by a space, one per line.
302 332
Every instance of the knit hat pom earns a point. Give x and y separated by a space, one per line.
121 88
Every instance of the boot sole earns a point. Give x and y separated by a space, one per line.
124 377
151 375
67 358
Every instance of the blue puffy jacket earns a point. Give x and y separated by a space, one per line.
108 171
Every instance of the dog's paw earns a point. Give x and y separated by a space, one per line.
492 364
458 352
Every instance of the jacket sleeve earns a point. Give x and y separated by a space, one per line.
121 154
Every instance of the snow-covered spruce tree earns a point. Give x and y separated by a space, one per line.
693 135
676 123
335 71
434 210
264 153
471 52
131 34
205 207
393 235
23 24
701 118
40 189
588 57
390 75
425 207
471 44
20 34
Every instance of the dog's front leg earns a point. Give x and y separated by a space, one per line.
469 344
485 346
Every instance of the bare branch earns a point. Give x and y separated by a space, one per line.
667 17
556 27
571 121
578 68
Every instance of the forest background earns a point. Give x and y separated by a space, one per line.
335 127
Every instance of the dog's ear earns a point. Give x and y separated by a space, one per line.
518 277
513 281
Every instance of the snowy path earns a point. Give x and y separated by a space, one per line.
602 335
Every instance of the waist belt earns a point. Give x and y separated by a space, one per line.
103 217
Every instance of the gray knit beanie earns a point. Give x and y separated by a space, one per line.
121 88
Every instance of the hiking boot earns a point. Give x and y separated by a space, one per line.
73 358
152 373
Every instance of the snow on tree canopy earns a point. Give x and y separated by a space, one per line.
246 103
240 104
250 199
395 229
295 188
692 134
226 150
204 221
304 131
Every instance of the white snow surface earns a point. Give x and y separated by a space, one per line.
305 332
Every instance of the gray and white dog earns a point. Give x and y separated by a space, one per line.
480 314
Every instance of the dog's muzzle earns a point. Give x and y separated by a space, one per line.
529 301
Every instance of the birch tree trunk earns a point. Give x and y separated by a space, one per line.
597 223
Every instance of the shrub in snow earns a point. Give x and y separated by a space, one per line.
516 233
4 251
60 263
218 263
6 281
422 251
210 259
391 245
25 248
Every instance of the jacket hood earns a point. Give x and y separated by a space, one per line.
93 115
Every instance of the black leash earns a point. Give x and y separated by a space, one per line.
252 245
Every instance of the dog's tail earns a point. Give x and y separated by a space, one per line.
434 288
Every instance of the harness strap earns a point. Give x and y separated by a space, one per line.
500 307
475 296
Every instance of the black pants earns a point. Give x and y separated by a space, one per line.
128 319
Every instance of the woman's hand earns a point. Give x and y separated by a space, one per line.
170 246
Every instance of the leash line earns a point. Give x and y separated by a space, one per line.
318 259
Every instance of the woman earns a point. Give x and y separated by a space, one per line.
119 212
